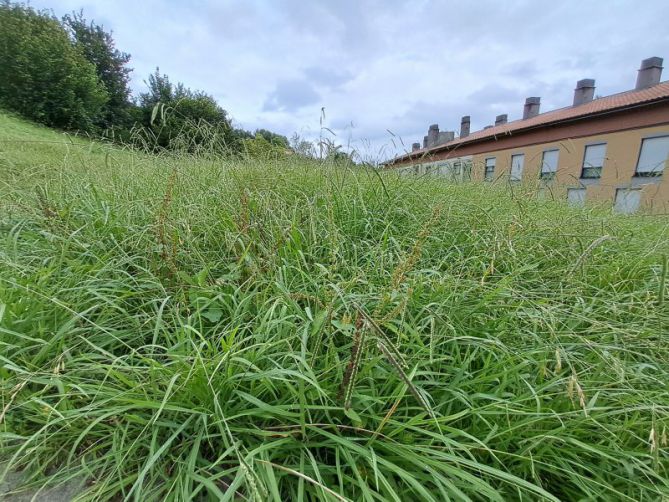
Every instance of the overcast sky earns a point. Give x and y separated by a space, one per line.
382 65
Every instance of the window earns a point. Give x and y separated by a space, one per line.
489 168
593 160
517 162
627 200
576 197
549 164
653 156
466 170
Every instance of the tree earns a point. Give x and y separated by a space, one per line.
260 147
302 147
184 119
99 48
273 138
161 90
42 75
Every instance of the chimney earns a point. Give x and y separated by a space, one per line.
445 137
464 126
584 92
433 135
531 107
415 146
501 119
424 141
649 73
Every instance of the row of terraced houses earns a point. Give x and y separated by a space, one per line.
613 148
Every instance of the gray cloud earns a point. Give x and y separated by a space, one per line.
521 69
492 94
328 77
290 96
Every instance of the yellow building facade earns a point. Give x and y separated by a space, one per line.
607 150
580 176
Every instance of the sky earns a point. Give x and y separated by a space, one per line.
382 70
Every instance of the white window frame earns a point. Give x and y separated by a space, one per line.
552 170
488 175
576 201
587 166
653 171
622 199
519 175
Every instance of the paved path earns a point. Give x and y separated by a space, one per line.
62 493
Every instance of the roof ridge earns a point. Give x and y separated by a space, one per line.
596 106
614 95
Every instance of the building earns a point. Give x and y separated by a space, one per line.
613 148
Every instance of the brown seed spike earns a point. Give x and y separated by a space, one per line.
346 391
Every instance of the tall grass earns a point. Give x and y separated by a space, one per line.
178 328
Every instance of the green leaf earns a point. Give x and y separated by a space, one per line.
213 314
355 418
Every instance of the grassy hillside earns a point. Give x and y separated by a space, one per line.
177 328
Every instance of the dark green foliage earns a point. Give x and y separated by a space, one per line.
42 75
273 138
178 117
99 48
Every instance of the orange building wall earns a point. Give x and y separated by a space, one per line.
622 152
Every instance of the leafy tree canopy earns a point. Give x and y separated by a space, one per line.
273 138
99 48
43 76
176 114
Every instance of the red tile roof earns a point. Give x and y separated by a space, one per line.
658 92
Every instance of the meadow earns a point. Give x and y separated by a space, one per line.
189 327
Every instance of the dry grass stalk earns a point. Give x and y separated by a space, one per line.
47 208
15 391
589 250
558 361
412 388
574 387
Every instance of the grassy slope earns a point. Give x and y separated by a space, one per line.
172 327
